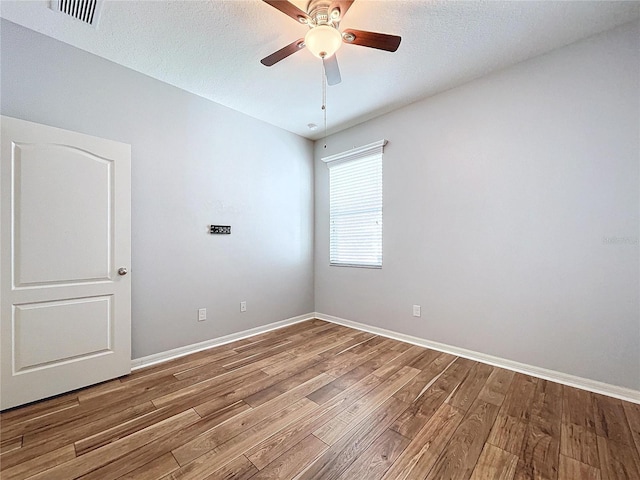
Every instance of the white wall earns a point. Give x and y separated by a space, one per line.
194 163
499 200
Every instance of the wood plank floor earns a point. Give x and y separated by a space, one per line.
317 400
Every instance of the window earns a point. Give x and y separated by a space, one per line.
355 207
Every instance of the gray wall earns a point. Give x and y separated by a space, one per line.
194 163
501 201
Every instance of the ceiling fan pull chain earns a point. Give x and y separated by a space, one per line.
324 102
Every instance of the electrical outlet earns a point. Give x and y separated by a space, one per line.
416 310
202 314
243 306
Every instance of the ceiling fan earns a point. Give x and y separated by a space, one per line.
324 37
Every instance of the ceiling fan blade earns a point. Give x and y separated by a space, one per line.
331 70
381 41
342 5
283 53
289 9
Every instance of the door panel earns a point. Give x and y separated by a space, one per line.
64 232
61 321
77 222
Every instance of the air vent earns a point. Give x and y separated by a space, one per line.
84 10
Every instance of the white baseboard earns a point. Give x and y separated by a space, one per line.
215 342
615 391
621 393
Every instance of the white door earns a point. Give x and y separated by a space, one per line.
65 233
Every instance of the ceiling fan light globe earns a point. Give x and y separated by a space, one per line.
323 41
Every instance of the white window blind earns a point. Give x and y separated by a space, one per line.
355 207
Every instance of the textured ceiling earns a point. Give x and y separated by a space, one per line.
212 48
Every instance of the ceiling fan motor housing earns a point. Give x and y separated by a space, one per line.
319 12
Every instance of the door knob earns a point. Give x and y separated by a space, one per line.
122 271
